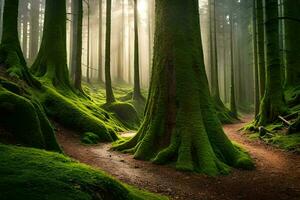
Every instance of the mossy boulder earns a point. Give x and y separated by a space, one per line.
125 112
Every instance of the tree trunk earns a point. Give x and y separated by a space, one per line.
34 30
88 44
109 92
292 41
180 123
137 87
273 103
255 62
51 62
11 55
77 10
261 47
25 20
100 67
233 108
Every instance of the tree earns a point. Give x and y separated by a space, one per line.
273 103
100 67
223 112
34 29
51 62
88 43
77 11
137 95
292 41
180 122
233 108
109 92
260 46
11 55
255 59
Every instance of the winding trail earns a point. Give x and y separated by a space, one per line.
276 177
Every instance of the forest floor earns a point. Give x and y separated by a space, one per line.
277 173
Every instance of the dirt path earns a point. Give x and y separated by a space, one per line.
277 174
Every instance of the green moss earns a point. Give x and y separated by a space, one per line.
35 174
74 116
287 142
90 138
125 112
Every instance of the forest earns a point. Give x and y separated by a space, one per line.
149 99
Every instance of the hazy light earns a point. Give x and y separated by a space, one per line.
142 7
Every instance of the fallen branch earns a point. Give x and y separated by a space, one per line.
285 121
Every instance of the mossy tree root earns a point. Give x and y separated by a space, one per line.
223 113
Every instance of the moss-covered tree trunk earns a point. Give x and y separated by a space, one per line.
273 103
51 62
233 107
77 11
109 92
261 47
11 55
292 41
180 122
137 87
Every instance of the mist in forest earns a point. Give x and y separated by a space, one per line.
31 16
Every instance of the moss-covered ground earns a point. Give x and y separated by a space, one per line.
33 174
279 133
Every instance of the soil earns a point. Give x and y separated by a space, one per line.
277 173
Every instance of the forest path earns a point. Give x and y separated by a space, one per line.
277 173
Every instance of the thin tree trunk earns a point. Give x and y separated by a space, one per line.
255 62
34 30
100 67
88 44
261 47
137 87
109 92
233 108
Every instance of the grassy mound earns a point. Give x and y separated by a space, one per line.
35 174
